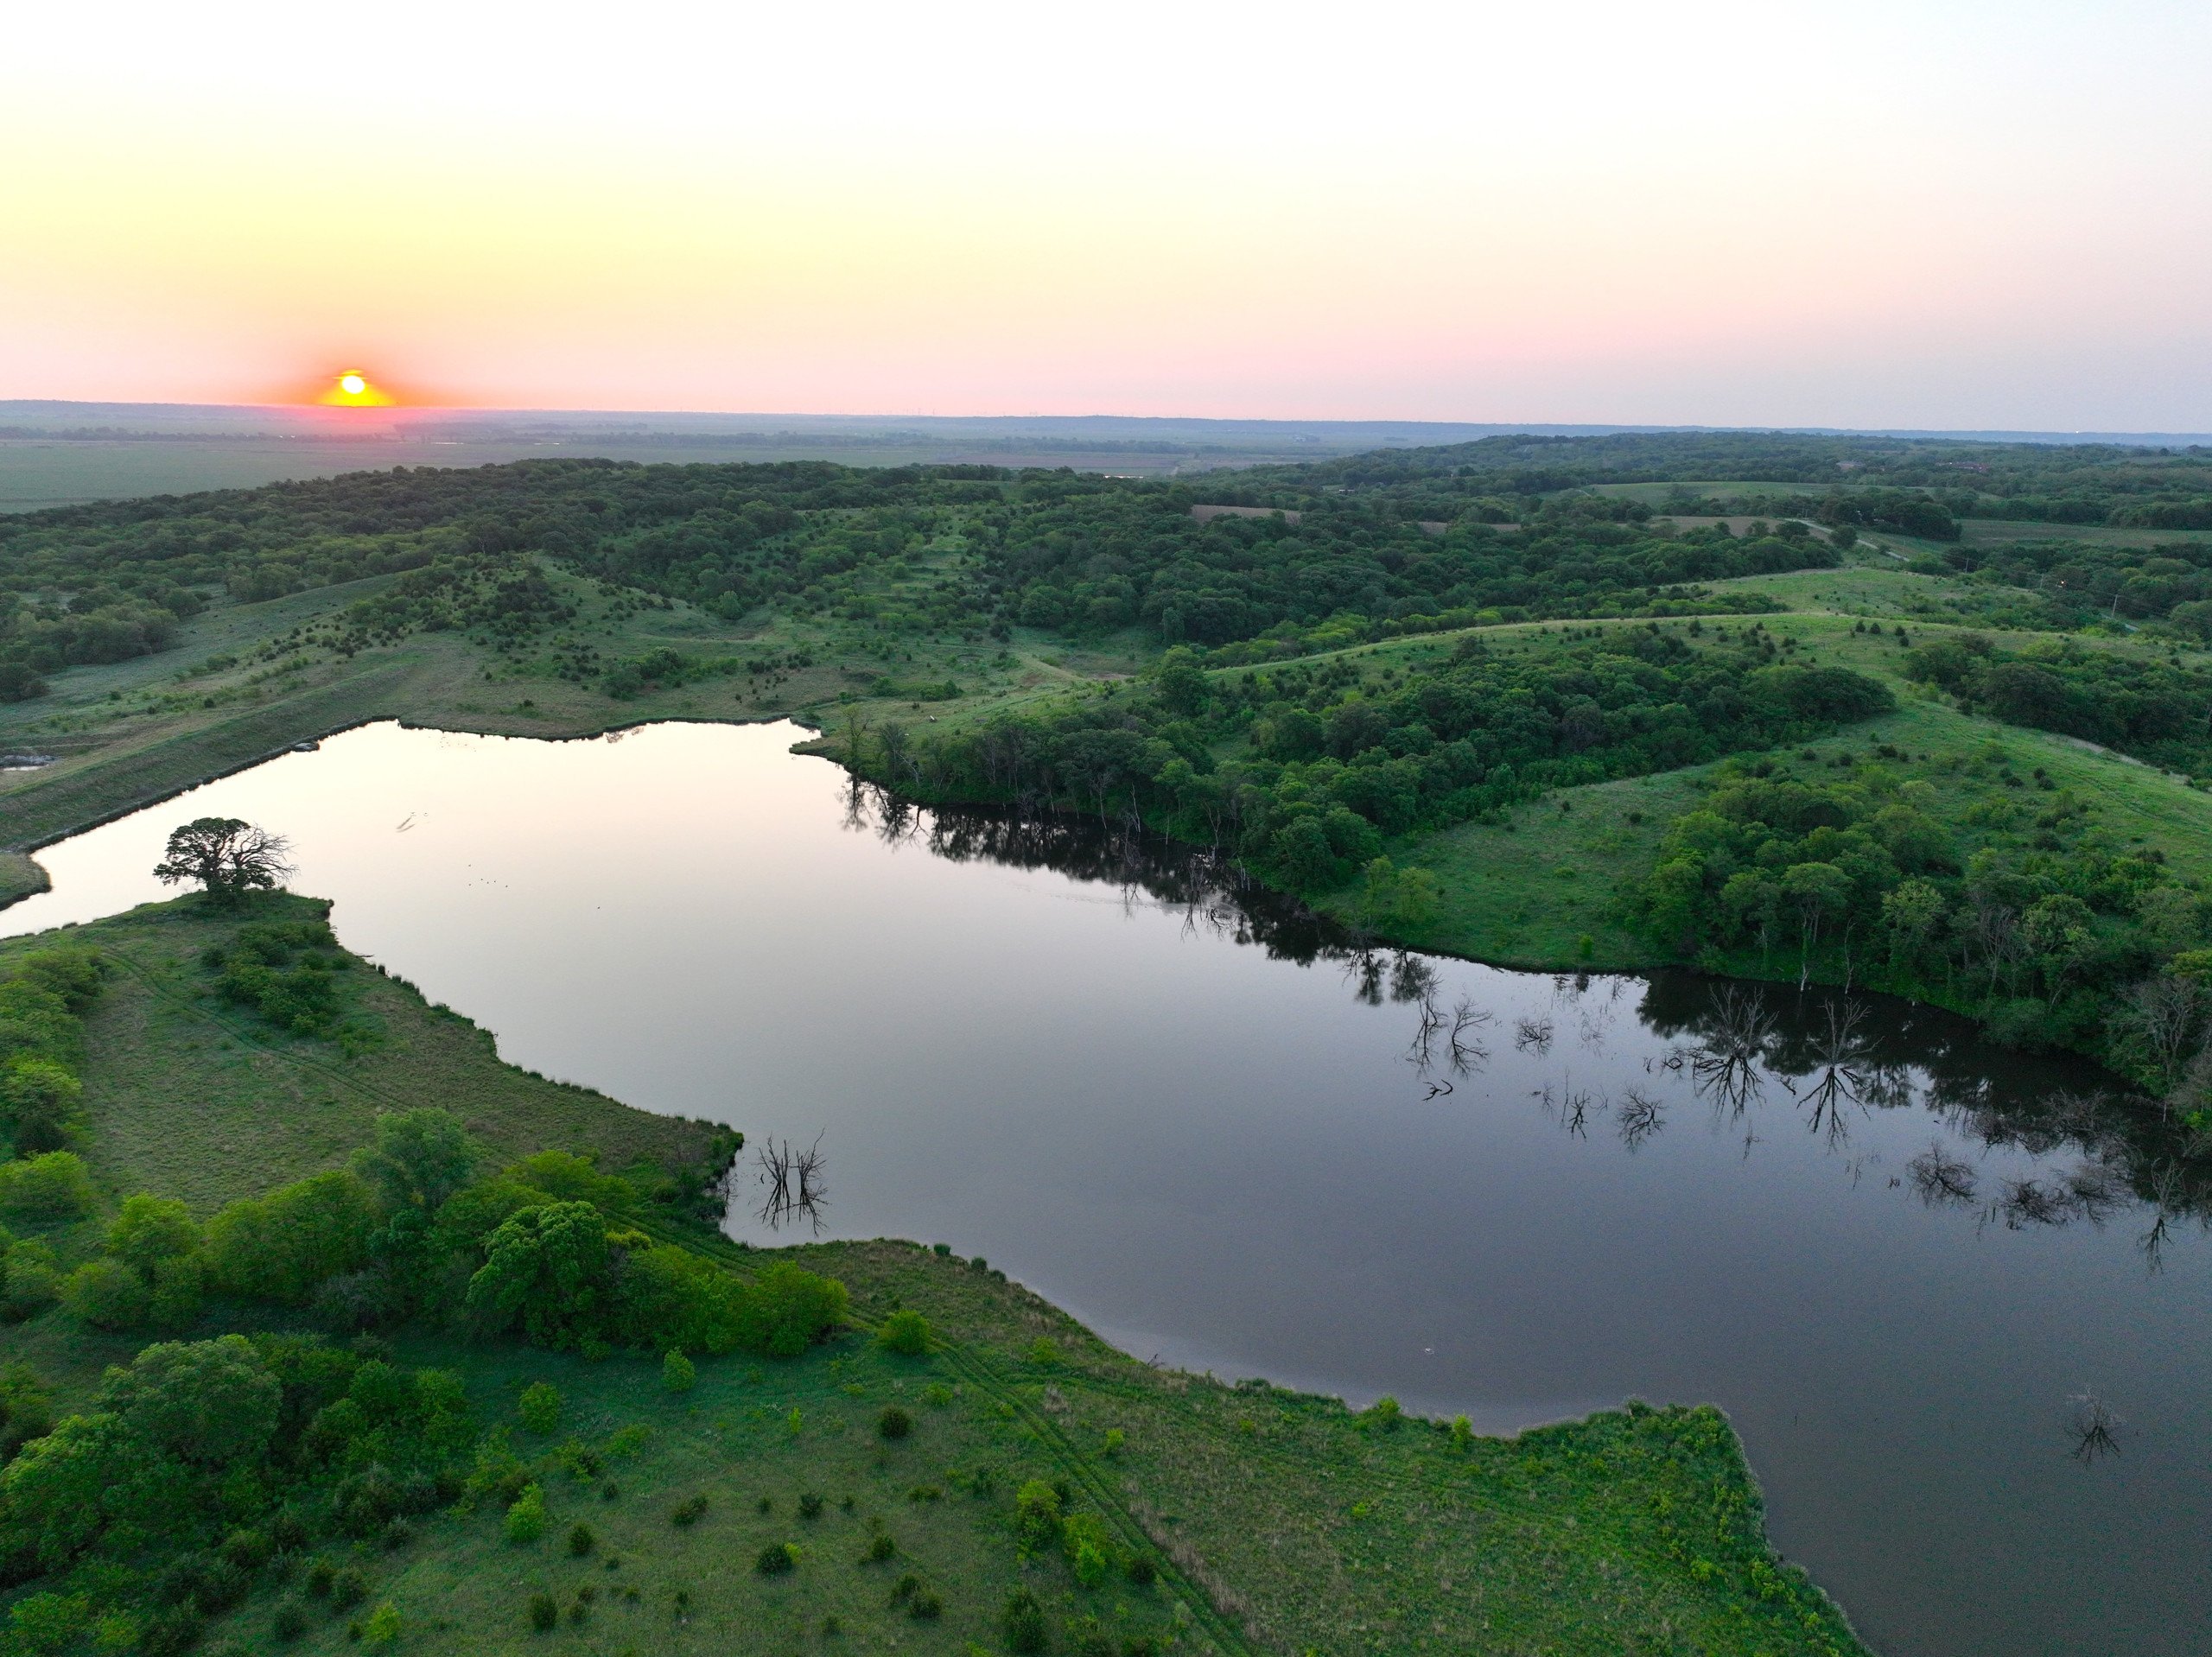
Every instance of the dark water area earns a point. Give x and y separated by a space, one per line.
1916 1270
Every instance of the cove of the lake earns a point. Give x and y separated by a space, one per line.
1897 1256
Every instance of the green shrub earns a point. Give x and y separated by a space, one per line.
810 1505
322 1576
54 1186
1115 1438
172 1632
1022 1621
150 1231
47 1624
581 1540
40 1101
1043 1352
880 1548
1037 1515
924 1605
788 1308
544 1615
777 1558
382 1626
74 972
689 1512
349 1588
249 1550
1141 1570
540 1408
284 1245
894 1423
906 1332
1463 1434
1090 1565
1385 1414
525 1520
107 1294
30 1281
289 1622
677 1373
421 1158
26 1412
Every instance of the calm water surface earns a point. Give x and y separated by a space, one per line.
1896 1257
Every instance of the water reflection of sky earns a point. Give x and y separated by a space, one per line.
1230 1137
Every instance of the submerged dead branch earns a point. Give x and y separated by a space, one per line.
793 1181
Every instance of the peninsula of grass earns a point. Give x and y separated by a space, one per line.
21 876
189 1095
1006 1481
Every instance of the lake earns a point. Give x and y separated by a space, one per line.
1219 1132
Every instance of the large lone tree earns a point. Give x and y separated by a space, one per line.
230 858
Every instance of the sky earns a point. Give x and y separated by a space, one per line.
1944 214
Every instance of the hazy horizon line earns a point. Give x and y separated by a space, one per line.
369 417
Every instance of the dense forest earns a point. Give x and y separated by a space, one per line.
1400 540
1076 555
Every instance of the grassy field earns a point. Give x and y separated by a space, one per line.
20 876
177 1081
1996 531
1270 1522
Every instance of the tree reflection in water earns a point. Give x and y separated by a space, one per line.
1839 1057
794 1188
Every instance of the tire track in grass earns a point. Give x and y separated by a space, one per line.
969 1365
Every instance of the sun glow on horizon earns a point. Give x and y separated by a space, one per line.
354 390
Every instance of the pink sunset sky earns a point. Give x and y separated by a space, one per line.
1942 214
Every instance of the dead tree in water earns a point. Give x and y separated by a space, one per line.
1429 1025
1640 1116
1840 1056
1726 1067
2094 1427
1467 1048
794 1183
1939 1177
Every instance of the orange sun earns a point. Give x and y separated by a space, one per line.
354 390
